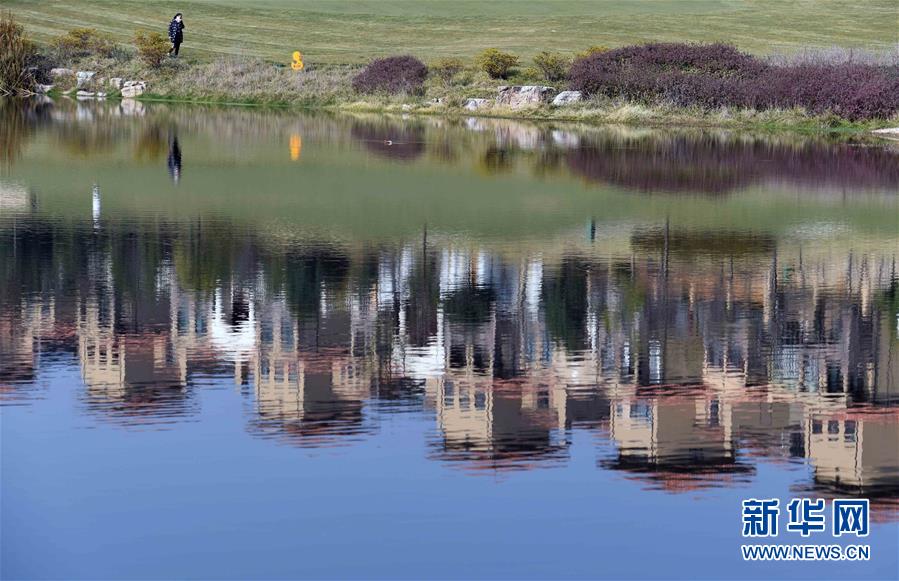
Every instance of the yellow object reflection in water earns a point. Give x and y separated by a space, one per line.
296 145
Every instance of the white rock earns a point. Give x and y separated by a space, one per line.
473 104
60 72
891 133
85 94
566 98
524 96
39 88
407 107
84 76
115 82
101 95
133 89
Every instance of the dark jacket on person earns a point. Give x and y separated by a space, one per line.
176 31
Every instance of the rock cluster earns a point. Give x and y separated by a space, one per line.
519 97
131 89
524 96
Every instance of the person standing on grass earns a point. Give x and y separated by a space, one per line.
176 34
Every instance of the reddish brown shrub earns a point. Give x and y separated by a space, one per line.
718 75
395 74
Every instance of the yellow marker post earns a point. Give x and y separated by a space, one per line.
297 63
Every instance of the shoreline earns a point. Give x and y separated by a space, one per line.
627 114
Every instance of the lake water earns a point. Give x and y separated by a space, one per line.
242 343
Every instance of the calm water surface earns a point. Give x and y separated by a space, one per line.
237 343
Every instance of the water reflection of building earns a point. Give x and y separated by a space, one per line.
692 362
680 442
854 452
137 378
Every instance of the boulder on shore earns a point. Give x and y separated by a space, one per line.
39 88
83 77
115 82
473 104
566 98
524 96
61 72
891 133
132 89
85 95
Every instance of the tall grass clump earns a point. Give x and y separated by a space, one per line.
392 75
250 80
15 50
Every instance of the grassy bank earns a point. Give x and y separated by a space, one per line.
256 82
329 31
697 84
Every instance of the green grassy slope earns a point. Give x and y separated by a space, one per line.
344 31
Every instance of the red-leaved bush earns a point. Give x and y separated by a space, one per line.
395 74
718 75
850 90
634 71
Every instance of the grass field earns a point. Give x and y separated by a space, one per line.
351 31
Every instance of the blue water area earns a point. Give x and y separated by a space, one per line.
256 344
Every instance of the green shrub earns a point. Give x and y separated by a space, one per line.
553 66
82 42
592 50
529 75
14 76
152 47
447 68
497 64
